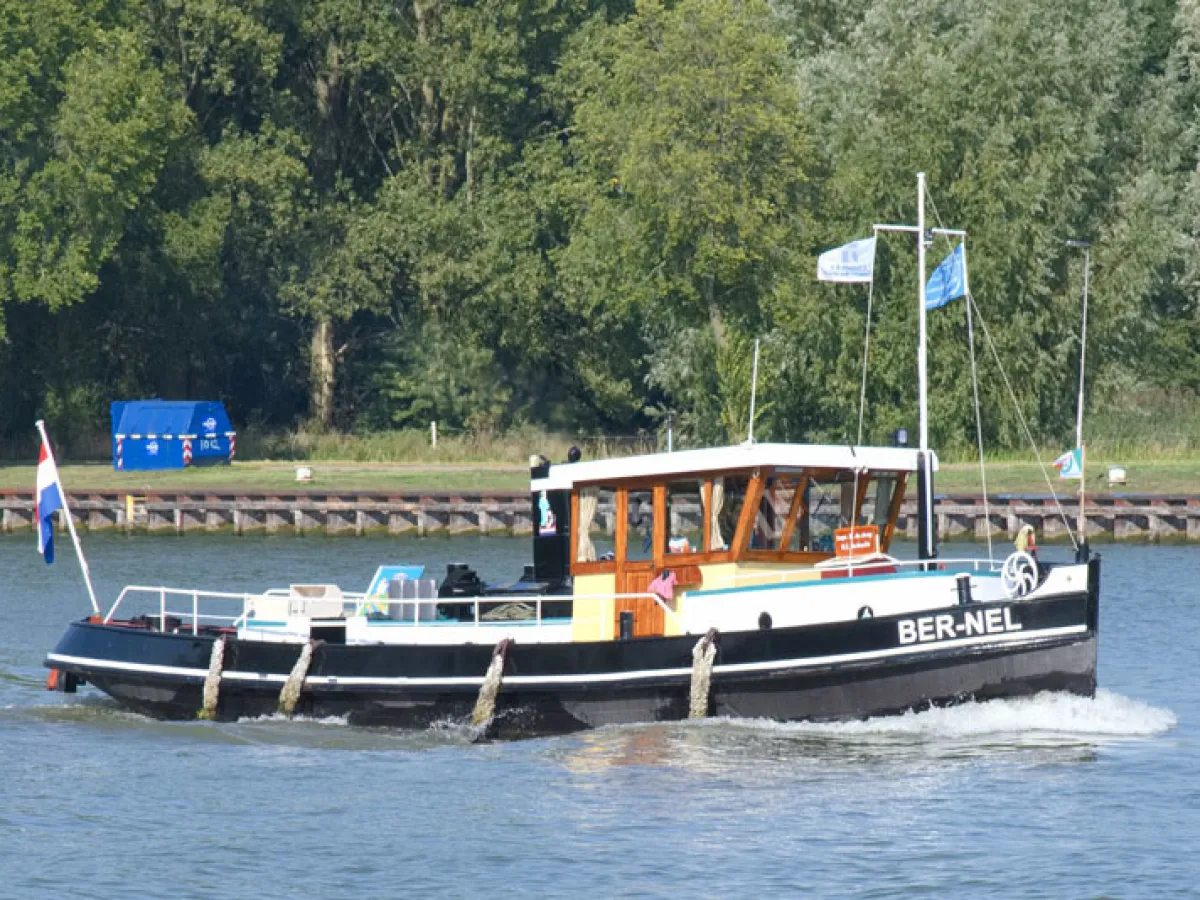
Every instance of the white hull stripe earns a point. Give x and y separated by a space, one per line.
1019 637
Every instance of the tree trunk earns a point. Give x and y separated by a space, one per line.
715 320
321 381
425 12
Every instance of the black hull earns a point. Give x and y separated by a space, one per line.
836 696
839 671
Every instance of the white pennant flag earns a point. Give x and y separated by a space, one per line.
852 263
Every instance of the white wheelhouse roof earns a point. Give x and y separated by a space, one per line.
715 460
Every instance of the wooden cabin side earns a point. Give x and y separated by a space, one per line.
751 521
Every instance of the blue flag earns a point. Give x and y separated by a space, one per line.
949 280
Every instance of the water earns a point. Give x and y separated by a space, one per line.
1050 797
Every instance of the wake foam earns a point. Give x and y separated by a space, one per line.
280 718
1107 715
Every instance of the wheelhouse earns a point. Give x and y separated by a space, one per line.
711 519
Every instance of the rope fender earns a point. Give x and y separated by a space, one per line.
485 703
700 694
212 681
289 696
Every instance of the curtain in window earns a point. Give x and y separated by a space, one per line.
588 500
714 514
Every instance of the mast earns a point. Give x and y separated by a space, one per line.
926 532
922 388
1082 553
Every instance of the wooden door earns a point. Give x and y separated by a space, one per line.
634 574
648 618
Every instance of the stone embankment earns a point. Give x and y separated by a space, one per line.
1109 517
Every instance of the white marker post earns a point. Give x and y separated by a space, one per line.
87 576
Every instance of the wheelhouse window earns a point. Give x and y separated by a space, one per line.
880 495
728 498
596 524
685 516
768 521
775 524
639 544
827 506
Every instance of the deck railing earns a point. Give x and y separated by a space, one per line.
536 600
193 614
192 618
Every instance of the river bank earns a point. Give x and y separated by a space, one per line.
1144 477
1119 517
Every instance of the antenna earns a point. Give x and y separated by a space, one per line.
753 392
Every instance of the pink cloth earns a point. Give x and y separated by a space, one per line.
664 585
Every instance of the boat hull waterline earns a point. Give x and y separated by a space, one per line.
844 670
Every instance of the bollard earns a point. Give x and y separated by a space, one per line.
963 583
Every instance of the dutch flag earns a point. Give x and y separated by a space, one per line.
48 500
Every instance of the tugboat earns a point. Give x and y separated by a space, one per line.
752 580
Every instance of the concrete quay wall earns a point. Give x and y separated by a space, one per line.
1109 517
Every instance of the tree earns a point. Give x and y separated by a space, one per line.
88 126
1021 130
686 166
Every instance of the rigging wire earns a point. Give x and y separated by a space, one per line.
1012 395
987 514
862 393
1024 425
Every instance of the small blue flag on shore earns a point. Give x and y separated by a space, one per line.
948 281
1070 464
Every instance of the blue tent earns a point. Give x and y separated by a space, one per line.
170 434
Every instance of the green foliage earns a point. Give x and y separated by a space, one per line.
688 151
434 376
89 125
579 215
1020 130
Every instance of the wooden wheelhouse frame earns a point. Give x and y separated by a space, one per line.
738 549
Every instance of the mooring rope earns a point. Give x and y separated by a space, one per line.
485 703
290 695
700 696
212 681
